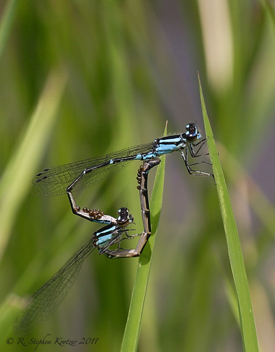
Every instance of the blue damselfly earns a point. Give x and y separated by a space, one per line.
81 174
51 294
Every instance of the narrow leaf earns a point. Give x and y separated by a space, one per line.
233 242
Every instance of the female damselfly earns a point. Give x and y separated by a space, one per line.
50 295
142 178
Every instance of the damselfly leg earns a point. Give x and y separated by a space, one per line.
190 170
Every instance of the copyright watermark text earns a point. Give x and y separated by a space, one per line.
50 341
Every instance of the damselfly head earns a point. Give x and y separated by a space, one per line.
124 217
192 133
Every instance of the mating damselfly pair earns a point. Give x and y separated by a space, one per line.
75 176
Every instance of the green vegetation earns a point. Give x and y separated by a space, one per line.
85 78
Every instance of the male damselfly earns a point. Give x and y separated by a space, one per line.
63 178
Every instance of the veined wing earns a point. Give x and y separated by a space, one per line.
54 181
50 295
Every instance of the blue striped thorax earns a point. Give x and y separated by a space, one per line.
170 144
106 235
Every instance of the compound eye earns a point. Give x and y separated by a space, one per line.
124 217
191 131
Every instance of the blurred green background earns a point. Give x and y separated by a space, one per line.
85 78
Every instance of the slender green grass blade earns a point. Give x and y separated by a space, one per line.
269 11
132 329
249 335
6 22
15 181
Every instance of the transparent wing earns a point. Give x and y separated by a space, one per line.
54 181
50 295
